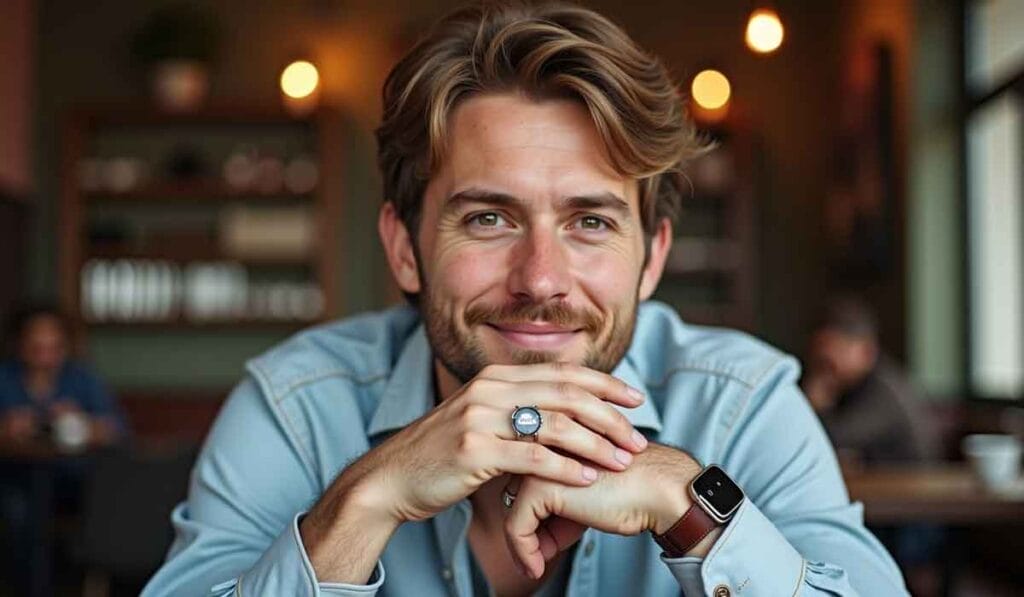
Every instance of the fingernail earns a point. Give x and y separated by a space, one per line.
589 474
623 456
635 394
639 440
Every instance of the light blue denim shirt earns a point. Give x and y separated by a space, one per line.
320 400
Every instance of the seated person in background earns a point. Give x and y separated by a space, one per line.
868 406
46 397
872 414
42 389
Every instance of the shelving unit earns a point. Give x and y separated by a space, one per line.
164 255
710 275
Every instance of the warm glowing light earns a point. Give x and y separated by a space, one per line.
764 31
299 79
710 89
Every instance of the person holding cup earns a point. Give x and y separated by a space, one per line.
46 395
49 400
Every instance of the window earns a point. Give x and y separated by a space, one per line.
995 196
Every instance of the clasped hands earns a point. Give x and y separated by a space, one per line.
587 468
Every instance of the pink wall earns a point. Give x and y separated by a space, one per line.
16 67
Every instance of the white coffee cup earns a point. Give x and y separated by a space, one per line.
71 430
995 458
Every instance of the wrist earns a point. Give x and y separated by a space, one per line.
334 517
673 498
674 501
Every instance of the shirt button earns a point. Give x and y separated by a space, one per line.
446 573
722 591
588 549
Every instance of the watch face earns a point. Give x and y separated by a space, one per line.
716 490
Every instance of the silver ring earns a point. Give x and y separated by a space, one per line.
526 422
507 498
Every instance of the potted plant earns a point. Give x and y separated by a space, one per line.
175 47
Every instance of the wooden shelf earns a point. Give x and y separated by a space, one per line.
193 192
191 252
177 221
183 324
218 114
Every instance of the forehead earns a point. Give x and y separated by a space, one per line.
528 148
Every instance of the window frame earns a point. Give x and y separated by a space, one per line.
971 101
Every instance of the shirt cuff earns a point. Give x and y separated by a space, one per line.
285 569
751 556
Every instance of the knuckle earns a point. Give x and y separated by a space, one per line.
565 390
472 415
469 445
537 453
559 422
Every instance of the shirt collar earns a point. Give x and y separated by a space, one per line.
409 393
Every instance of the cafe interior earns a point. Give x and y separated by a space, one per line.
184 185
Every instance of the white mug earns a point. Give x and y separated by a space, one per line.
995 458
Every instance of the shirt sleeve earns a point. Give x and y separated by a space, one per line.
797 532
237 532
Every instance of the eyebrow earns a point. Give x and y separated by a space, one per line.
606 200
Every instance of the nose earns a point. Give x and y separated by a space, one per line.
540 268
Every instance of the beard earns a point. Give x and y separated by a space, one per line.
463 354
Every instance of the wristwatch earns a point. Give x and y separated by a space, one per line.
715 500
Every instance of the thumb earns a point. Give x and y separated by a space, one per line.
558 534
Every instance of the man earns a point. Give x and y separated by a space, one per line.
868 406
513 434
873 415
41 385
45 396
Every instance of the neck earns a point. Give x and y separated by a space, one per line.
446 383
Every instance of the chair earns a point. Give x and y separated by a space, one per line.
126 528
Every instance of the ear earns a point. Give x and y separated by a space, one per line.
661 242
398 248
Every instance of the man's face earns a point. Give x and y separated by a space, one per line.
43 345
531 244
845 357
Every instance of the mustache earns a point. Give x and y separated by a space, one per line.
559 314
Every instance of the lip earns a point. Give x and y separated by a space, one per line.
535 335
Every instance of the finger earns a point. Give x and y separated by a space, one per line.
565 433
522 525
600 384
530 458
581 405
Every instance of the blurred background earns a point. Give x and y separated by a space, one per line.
185 184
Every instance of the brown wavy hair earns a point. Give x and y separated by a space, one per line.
543 50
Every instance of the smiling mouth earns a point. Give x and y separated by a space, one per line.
535 335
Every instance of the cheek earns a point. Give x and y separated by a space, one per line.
610 279
465 274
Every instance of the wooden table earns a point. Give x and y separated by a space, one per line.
39 459
945 494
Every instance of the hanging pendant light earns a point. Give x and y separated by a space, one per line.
764 31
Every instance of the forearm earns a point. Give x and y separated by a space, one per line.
346 532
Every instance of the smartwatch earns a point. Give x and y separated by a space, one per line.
715 500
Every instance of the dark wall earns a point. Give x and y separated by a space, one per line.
790 98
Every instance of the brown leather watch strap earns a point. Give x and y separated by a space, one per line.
686 533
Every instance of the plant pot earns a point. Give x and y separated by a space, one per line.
180 85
